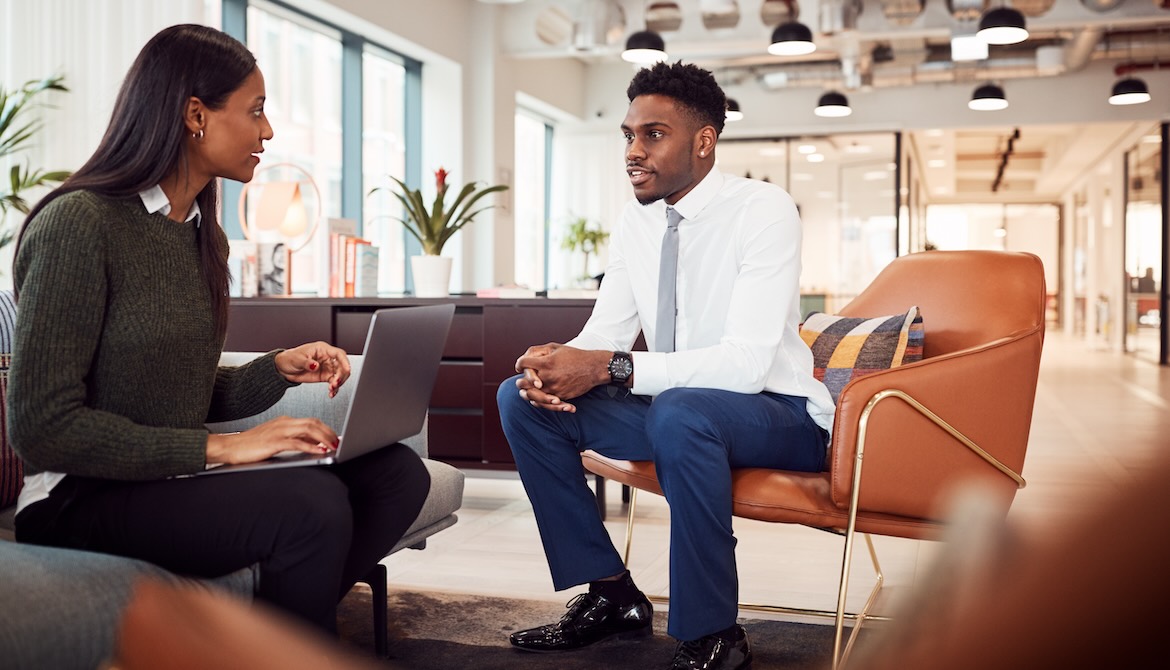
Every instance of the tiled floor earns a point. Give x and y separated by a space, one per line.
1099 419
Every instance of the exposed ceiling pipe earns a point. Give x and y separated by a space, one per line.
831 73
1079 49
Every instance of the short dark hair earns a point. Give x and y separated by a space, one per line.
691 86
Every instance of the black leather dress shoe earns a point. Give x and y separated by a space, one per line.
713 653
591 618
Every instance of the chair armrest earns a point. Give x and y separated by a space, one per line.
910 464
307 400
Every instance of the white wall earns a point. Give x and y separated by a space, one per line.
92 44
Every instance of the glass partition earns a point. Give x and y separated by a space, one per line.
1143 246
844 187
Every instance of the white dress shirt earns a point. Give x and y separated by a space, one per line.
737 295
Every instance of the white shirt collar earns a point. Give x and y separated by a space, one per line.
700 196
156 201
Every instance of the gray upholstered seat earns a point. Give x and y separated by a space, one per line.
59 608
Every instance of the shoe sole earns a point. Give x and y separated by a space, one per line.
621 635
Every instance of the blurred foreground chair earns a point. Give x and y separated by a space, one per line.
959 416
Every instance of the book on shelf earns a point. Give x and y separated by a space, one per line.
365 283
331 259
579 293
506 292
272 264
242 267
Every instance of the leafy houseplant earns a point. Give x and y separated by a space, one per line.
15 135
585 239
433 227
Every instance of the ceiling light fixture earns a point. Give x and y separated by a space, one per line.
833 105
988 98
1002 25
645 47
1130 91
733 112
792 39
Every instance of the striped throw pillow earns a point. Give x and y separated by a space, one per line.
844 348
11 469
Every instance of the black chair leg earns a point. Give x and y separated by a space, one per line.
599 492
376 578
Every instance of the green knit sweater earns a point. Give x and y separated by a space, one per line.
115 358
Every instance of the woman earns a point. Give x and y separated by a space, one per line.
122 281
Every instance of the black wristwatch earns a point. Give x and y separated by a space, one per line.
621 368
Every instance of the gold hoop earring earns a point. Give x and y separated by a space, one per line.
198 135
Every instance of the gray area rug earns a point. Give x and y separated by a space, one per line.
441 631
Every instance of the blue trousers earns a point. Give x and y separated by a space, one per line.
695 437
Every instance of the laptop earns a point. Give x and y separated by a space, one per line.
391 389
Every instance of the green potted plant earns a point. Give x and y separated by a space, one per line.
15 136
586 239
435 225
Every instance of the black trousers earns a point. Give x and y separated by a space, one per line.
314 531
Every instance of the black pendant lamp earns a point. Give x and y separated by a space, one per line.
1002 25
645 47
1130 91
833 105
733 111
988 98
792 39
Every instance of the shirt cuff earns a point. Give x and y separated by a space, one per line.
650 373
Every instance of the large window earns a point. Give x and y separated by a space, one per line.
384 156
301 61
339 107
531 201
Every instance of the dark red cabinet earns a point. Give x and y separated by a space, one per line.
486 338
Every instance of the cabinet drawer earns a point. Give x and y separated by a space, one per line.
454 436
458 385
464 341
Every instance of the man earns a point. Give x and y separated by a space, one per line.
727 383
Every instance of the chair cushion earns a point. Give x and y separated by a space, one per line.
11 469
847 347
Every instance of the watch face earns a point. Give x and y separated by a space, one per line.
620 368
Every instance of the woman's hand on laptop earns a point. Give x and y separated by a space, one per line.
310 435
314 362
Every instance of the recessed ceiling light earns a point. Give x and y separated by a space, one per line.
934 132
816 158
807 148
801 176
875 175
773 150
936 163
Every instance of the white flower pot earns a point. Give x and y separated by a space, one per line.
432 276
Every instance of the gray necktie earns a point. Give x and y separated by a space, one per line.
667 275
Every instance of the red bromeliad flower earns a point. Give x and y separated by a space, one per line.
441 179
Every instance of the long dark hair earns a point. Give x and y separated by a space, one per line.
146 138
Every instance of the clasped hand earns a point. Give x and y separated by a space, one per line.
554 373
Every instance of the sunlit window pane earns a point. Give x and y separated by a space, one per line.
531 176
383 156
302 72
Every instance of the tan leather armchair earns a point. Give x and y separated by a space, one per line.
961 415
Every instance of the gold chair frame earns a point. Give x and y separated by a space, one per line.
839 615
